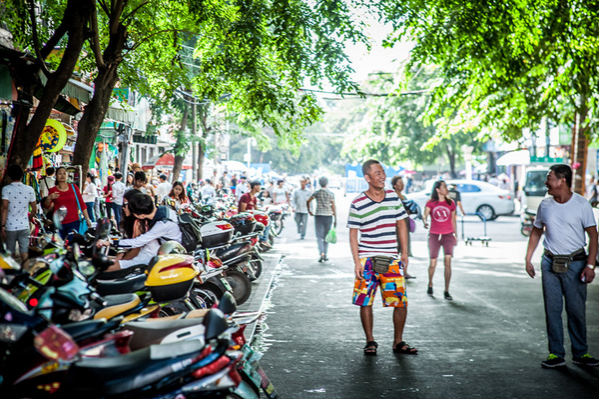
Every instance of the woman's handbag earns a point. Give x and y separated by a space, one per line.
412 224
82 222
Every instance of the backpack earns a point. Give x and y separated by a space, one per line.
190 232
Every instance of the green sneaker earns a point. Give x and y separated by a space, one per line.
553 361
586 360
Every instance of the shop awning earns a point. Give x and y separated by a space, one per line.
521 157
166 161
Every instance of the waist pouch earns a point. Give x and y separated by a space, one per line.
380 264
561 263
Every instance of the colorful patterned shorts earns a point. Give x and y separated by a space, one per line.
393 286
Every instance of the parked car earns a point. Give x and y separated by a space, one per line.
478 198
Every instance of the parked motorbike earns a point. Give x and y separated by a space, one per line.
527 219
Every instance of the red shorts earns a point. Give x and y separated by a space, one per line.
436 241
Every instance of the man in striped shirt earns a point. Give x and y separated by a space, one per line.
377 214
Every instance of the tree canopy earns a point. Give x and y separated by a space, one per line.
507 64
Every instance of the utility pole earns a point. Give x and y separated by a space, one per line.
194 144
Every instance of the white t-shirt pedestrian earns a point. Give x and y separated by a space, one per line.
90 192
45 185
242 188
163 190
208 191
565 223
118 190
18 196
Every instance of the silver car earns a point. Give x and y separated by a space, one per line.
478 198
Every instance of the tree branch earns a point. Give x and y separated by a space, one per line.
36 40
134 11
95 40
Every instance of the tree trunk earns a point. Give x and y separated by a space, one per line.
580 140
179 145
580 144
78 13
201 158
451 159
95 111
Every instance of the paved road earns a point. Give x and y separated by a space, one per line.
487 343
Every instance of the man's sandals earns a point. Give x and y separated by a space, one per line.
405 349
370 348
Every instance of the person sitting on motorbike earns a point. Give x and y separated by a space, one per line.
162 226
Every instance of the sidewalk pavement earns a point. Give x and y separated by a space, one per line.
486 343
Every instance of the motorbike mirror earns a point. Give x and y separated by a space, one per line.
103 228
76 251
58 216
227 303
86 268
214 324
102 262
54 343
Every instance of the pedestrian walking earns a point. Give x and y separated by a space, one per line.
164 187
455 195
566 269
443 232
47 182
324 216
18 207
279 194
375 222
242 187
69 196
118 191
300 206
108 197
90 194
593 193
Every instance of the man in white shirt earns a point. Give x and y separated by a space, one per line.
565 218
47 182
208 190
17 199
163 189
118 190
300 206
242 187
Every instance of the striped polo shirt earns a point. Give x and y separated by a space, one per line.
376 222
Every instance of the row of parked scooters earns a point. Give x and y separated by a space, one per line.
169 329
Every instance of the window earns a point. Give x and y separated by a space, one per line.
468 188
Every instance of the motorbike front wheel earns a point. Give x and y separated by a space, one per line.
256 265
241 285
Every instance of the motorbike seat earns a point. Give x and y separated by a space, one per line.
89 328
121 274
125 286
154 332
117 304
100 377
231 251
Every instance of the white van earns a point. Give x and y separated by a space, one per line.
534 189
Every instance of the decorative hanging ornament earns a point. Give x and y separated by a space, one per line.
53 137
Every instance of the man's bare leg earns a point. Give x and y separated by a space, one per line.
367 319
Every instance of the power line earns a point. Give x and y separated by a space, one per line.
362 94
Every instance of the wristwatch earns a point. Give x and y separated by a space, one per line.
592 267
